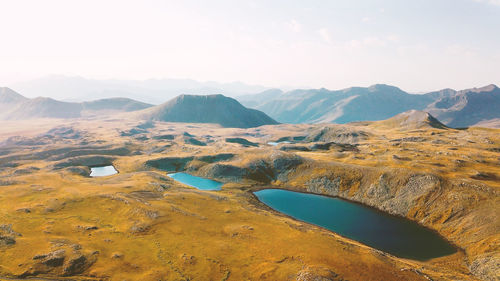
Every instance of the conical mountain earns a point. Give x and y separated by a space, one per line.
412 119
217 109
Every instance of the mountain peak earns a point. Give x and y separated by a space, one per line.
413 119
218 109
487 88
7 95
383 87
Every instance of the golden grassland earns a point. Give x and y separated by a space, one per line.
141 225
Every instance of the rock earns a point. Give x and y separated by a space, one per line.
406 197
410 139
317 274
7 240
395 157
7 235
116 255
484 176
75 265
139 228
52 259
324 185
486 267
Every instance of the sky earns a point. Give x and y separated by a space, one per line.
418 46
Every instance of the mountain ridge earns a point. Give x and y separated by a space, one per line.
378 102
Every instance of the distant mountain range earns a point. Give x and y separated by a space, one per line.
154 91
378 102
471 107
14 106
217 109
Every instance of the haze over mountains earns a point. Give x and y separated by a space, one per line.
471 107
185 108
14 106
154 91
453 108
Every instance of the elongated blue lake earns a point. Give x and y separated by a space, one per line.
391 234
196 182
102 171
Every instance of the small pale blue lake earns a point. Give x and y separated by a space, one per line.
102 171
273 143
196 182
391 234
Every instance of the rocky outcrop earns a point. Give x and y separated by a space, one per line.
453 208
7 235
317 274
66 261
323 185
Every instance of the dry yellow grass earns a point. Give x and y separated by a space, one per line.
141 225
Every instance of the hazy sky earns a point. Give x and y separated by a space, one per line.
418 45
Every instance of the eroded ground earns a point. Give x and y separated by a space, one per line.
57 222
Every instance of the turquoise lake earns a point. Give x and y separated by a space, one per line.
196 182
102 171
391 234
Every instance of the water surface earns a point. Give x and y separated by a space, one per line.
102 171
391 234
273 143
196 182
